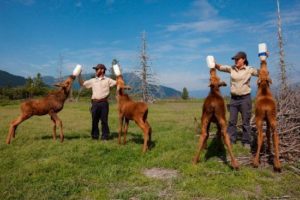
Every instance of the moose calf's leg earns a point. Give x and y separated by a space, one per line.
145 129
13 126
202 139
277 166
150 132
54 129
227 142
268 135
146 138
120 129
55 121
260 138
125 130
207 132
61 130
59 122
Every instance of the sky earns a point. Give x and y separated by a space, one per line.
36 35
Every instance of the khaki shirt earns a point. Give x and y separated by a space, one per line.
239 78
100 86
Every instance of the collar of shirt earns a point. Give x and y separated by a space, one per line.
237 69
100 78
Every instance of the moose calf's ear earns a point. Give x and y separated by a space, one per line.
127 87
222 83
270 80
258 81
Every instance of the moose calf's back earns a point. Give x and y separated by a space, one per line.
42 106
214 103
132 110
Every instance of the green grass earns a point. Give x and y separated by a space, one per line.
34 166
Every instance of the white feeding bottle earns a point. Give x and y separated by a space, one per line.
77 70
210 60
262 51
117 69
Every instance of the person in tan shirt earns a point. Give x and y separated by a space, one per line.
240 76
100 86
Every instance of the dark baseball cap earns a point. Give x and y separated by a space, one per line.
99 66
239 55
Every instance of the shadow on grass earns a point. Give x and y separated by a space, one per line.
265 151
139 139
113 135
66 137
216 149
78 136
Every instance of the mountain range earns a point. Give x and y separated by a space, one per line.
10 80
131 79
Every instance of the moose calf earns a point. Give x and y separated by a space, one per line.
130 110
214 111
50 104
265 110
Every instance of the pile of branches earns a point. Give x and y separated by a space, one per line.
288 118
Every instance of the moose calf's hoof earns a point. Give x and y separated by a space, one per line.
195 161
235 165
277 169
255 163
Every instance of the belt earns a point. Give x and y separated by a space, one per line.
239 96
99 100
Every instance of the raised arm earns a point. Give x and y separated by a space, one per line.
254 71
217 66
80 80
223 68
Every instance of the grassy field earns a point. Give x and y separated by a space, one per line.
33 166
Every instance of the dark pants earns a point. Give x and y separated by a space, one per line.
243 105
100 111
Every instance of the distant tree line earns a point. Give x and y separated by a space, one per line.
33 87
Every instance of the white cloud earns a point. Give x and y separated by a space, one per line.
91 56
78 4
110 2
292 15
219 48
201 9
211 25
183 45
183 78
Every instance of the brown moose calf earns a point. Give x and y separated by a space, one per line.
130 110
214 111
265 110
50 104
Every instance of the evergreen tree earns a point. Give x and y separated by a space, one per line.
185 93
39 87
29 87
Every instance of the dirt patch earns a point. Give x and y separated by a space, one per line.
160 173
